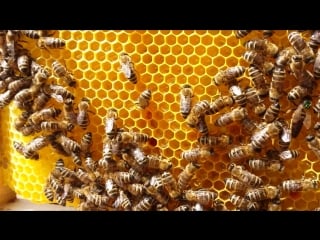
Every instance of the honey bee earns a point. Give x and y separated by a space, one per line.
44 114
19 84
284 57
236 114
139 156
33 34
259 80
316 108
67 173
40 101
245 176
297 93
185 100
31 148
136 189
89 163
262 45
260 138
68 111
248 125
143 99
122 202
313 144
316 67
272 165
183 208
297 120
254 58
111 124
219 103
194 155
160 196
235 185
58 92
61 71
24 64
297 185
276 86
201 196
316 127
241 152
238 95
53 126
86 142
156 162
50 42
243 204
84 176
241 33
97 199
301 46
170 184
262 193
221 140
21 120
229 76
267 33
288 155
55 184
199 109
296 65
314 41
156 183
48 191
69 145
274 205
127 67
186 175
122 178
83 119
132 137
111 188
272 112
59 163
145 204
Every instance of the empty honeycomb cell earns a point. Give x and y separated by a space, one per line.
165 49
89 75
212 51
219 41
182 59
206 61
218 185
180 135
199 90
182 39
89 55
205 40
225 51
176 69
200 50
214 175
219 61
188 50
176 50
152 68
201 174
173 144
193 60
200 70
153 49
101 111
83 45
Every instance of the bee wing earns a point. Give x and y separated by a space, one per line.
307 122
125 68
57 97
109 125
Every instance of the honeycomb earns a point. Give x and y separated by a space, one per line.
164 60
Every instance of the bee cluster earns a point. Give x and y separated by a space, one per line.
279 78
270 100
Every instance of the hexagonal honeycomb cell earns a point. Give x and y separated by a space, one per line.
164 61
